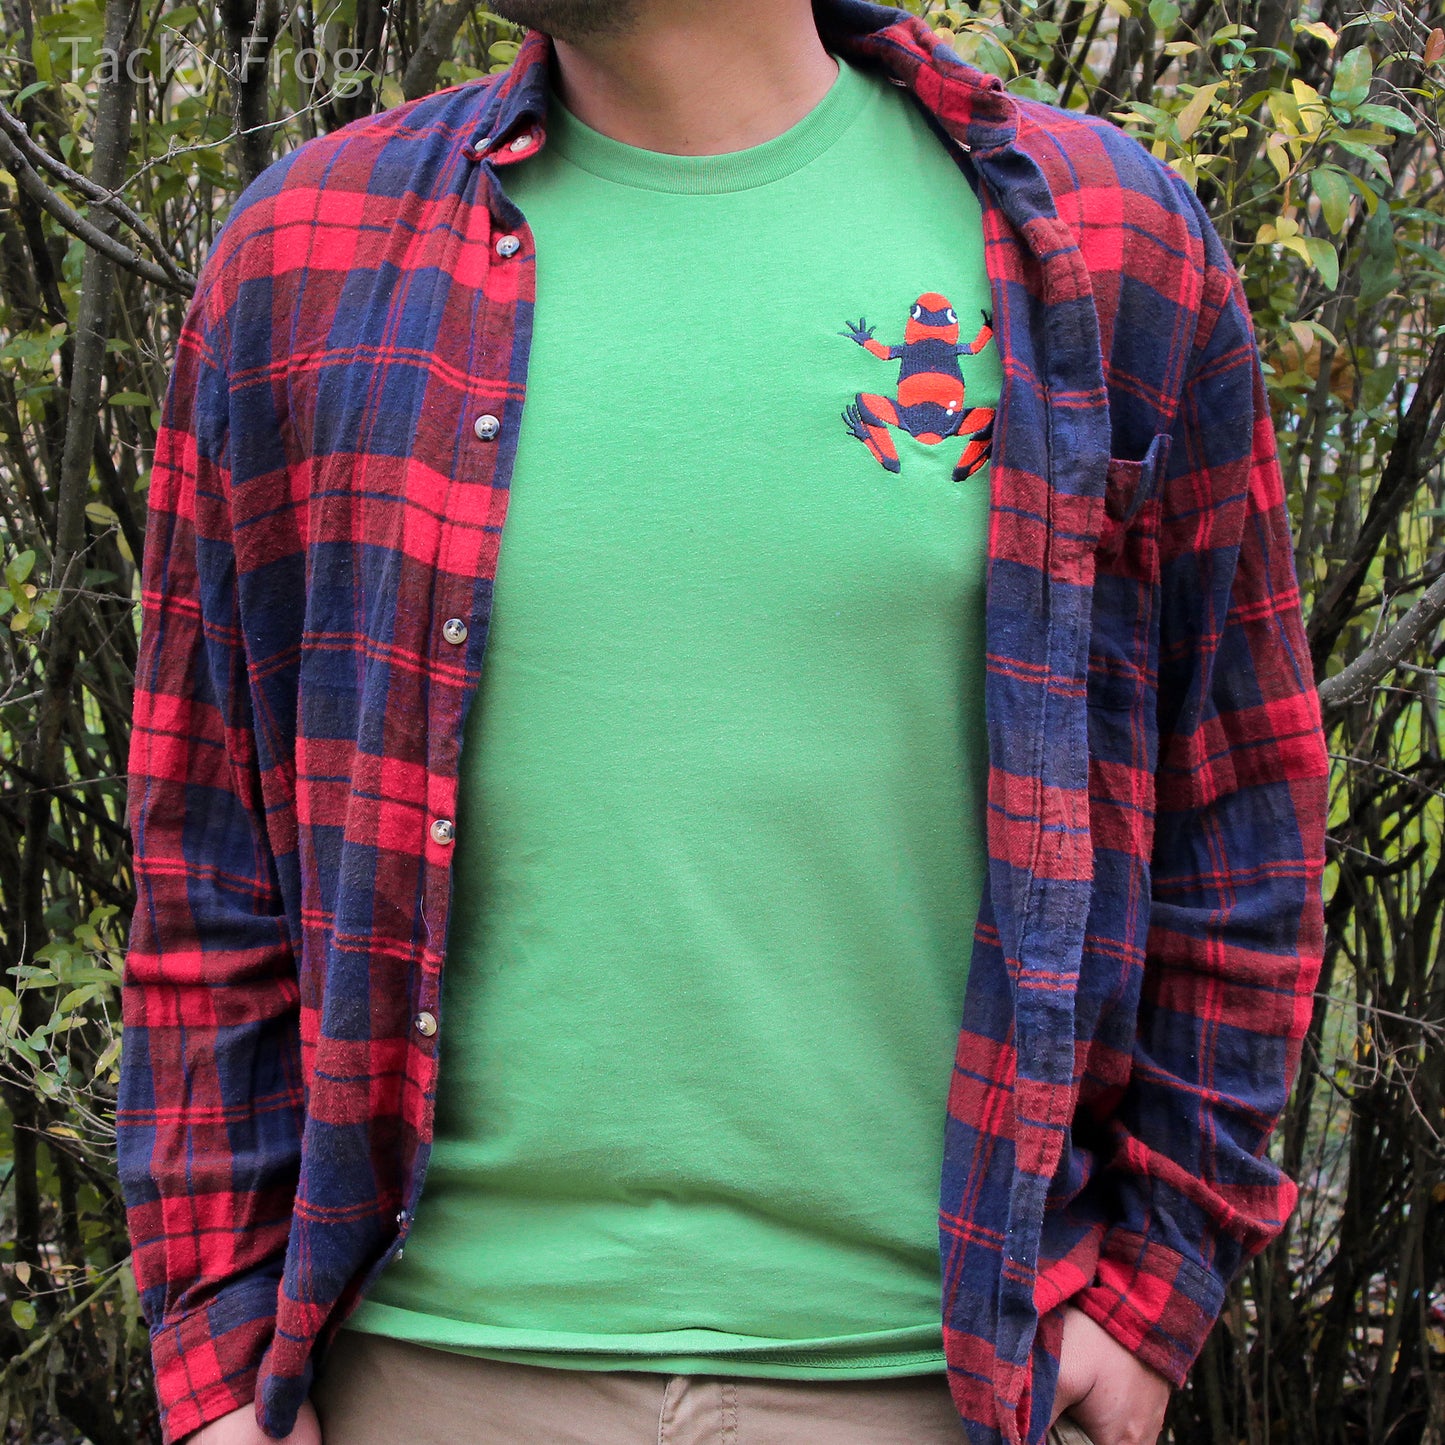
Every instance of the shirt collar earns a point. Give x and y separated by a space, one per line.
972 107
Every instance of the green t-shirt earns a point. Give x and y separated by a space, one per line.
720 837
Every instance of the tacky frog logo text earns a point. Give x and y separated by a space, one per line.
930 400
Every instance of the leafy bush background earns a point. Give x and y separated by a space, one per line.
1312 131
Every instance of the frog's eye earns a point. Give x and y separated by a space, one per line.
917 312
951 316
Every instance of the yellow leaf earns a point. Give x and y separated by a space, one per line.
1297 245
1188 171
1265 235
1281 107
1286 226
1311 108
22 1272
1180 47
1188 119
1319 30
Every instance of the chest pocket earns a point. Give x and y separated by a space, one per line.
1130 530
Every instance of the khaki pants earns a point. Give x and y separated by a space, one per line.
375 1391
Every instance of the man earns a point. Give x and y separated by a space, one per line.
895 624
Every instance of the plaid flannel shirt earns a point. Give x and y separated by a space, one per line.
322 503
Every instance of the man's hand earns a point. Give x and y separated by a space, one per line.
1106 1392
240 1428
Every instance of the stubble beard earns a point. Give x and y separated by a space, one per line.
572 19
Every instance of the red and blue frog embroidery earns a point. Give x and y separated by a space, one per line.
930 400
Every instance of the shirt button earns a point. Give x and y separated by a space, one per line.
425 1024
508 245
522 142
442 831
454 630
486 426
401 1219
481 143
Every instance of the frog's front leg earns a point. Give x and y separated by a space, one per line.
861 332
868 419
985 335
977 426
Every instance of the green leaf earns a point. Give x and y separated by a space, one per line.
1369 155
1334 190
1352 77
33 88
23 1313
1376 384
40 54
989 55
19 568
1324 259
1164 14
129 398
1387 116
1033 87
1428 254
77 996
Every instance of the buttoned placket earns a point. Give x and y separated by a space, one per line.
508 247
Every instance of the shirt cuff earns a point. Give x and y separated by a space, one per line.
207 1360
1156 1303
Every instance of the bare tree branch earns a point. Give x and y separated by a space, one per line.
434 47
20 137
1402 476
1354 681
33 184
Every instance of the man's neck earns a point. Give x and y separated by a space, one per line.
695 77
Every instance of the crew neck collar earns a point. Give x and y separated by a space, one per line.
627 165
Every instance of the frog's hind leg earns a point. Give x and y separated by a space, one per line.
977 426
869 418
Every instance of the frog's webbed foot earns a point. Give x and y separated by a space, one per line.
977 426
869 418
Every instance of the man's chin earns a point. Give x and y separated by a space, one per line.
571 19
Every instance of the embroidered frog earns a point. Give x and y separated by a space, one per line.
929 404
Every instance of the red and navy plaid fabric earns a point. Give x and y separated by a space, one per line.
321 504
